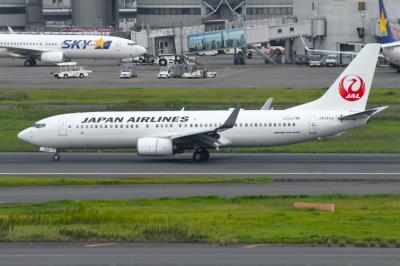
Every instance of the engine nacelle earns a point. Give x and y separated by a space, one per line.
52 57
155 147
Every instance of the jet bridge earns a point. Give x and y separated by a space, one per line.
256 32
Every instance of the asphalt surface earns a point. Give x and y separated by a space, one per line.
255 74
189 255
284 166
38 194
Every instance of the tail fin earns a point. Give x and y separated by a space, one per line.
351 90
384 26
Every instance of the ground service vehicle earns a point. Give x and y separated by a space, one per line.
71 70
316 61
331 60
128 71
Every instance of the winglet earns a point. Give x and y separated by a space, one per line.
268 104
10 30
231 121
305 44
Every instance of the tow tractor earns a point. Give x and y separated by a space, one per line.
71 70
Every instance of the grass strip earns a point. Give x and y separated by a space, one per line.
9 181
357 220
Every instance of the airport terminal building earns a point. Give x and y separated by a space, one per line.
163 25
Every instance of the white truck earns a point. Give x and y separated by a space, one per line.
165 73
71 70
128 71
192 72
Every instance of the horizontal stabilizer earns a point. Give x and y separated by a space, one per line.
364 114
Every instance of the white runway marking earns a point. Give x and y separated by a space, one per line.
204 173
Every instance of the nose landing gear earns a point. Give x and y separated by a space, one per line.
201 155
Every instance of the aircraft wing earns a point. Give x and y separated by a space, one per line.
207 137
23 51
391 45
324 51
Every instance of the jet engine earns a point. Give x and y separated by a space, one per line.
52 57
155 147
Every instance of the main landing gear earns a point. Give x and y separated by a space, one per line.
56 157
201 155
30 62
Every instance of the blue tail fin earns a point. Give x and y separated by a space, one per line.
384 26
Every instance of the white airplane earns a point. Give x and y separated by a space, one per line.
390 47
60 48
340 109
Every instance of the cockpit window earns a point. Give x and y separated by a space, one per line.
131 44
38 125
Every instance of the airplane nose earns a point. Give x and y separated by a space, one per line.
24 135
141 50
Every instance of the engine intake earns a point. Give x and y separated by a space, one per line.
155 147
52 57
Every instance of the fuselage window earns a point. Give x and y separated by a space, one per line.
111 126
279 124
284 124
116 126
274 124
137 126
147 125
105 126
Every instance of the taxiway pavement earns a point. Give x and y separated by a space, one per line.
253 75
39 194
74 254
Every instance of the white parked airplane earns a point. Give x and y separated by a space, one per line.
60 48
340 109
390 47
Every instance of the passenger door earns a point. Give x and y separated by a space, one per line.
313 124
62 127
118 46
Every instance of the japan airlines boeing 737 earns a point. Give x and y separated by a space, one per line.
59 48
340 109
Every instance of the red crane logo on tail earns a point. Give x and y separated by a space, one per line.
352 88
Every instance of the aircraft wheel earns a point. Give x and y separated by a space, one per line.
81 76
56 157
28 63
201 155
205 155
